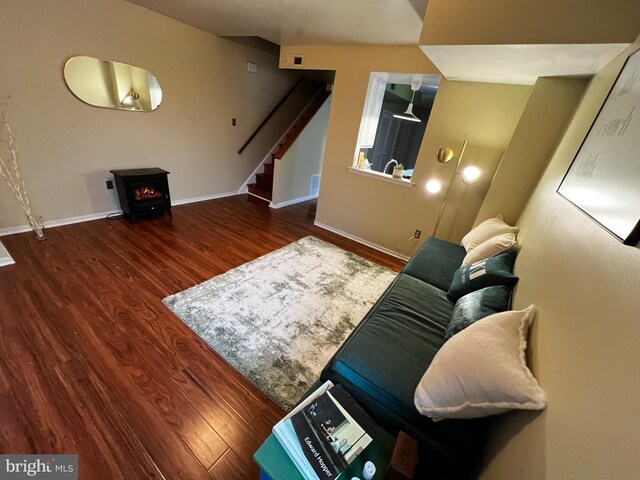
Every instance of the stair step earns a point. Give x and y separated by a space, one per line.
257 192
268 169
264 182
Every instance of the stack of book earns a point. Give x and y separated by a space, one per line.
325 433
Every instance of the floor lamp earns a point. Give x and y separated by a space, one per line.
470 175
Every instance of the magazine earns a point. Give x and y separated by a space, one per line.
324 434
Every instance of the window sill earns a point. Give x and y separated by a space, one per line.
402 182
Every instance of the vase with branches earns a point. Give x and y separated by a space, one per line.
11 173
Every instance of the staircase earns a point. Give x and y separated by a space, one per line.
263 186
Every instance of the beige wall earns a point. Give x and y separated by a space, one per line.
67 147
269 136
541 126
505 22
293 172
584 344
386 214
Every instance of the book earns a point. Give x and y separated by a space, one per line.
325 433
284 433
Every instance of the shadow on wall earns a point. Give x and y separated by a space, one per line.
532 455
102 200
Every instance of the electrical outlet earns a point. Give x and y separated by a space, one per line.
109 184
417 233
233 122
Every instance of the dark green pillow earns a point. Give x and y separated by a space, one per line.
490 272
477 305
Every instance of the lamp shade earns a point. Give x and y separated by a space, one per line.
434 185
408 115
445 155
470 175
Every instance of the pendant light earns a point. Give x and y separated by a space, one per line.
408 114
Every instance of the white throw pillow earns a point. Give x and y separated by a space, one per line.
486 230
482 371
495 245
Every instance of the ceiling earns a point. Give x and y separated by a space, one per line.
520 64
302 22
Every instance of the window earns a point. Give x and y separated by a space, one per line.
394 120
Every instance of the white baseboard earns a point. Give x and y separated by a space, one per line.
258 196
5 258
252 178
293 202
4 261
362 241
100 215
59 222
204 198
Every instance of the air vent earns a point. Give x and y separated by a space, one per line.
296 61
314 189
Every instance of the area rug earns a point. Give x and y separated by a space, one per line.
280 318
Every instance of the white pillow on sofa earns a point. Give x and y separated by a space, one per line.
486 230
495 245
482 371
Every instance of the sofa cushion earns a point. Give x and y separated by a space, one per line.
482 371
385 357
485 273
407 325
506 242
486 230
435 262
477 305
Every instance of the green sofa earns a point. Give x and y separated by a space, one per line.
384 358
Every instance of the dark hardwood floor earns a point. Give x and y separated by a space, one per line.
92 362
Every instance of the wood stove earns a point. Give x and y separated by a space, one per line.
143 192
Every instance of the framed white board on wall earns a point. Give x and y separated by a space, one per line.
604 178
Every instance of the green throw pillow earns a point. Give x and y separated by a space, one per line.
489 272
477 305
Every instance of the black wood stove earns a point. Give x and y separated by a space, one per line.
143 192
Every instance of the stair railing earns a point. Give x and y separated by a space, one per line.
307 115
264 122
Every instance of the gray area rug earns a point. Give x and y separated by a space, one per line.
280 318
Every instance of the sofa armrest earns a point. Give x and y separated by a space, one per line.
435 262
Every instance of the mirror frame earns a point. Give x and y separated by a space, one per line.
117 88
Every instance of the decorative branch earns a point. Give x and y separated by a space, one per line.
11 173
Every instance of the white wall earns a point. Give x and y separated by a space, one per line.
68 147
293 172
584 344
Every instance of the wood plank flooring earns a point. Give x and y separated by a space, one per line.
92 362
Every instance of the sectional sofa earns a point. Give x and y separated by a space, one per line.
384 358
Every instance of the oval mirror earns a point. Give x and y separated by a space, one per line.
103 83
